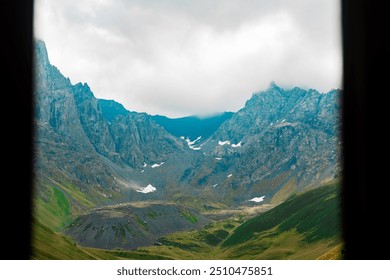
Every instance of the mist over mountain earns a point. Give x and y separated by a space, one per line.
93 157
281 142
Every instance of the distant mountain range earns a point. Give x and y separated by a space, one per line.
192 127
92 153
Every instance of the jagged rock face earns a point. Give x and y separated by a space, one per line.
279 138
75 141
55 104
281 142
92 121
139 140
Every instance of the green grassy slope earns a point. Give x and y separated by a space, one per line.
48 245
306 226
57 202
52 208
315 214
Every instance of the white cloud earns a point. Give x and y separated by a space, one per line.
186 57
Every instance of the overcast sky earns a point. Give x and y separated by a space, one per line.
184 57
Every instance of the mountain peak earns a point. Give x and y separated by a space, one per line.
273 85
111 109
84 86
41 51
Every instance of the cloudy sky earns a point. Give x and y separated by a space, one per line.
185 57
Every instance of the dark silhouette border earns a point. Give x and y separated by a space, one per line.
365 122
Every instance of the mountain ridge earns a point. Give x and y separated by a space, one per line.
93 153
242 157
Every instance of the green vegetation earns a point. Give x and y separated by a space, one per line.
305 226
315 214
216 237
53 209
78 197
199 203
141 222
48 245
152 214
189 216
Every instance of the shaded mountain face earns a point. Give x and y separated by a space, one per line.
76 142
281 142
192 127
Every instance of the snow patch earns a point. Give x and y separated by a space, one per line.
215 185
236 145
192 143
283 124
157 165
218 158
182 137
222 143
230 175
144 165
147 189
257 199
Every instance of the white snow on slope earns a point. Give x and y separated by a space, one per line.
222 143
215 185
230 175
218 158
147 189
192 143
157 165
286 124
257 199
236 145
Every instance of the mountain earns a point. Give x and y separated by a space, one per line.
281 142
94 159
192 127
79 142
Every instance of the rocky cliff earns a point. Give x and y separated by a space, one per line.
281 142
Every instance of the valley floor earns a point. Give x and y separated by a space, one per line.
306 226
